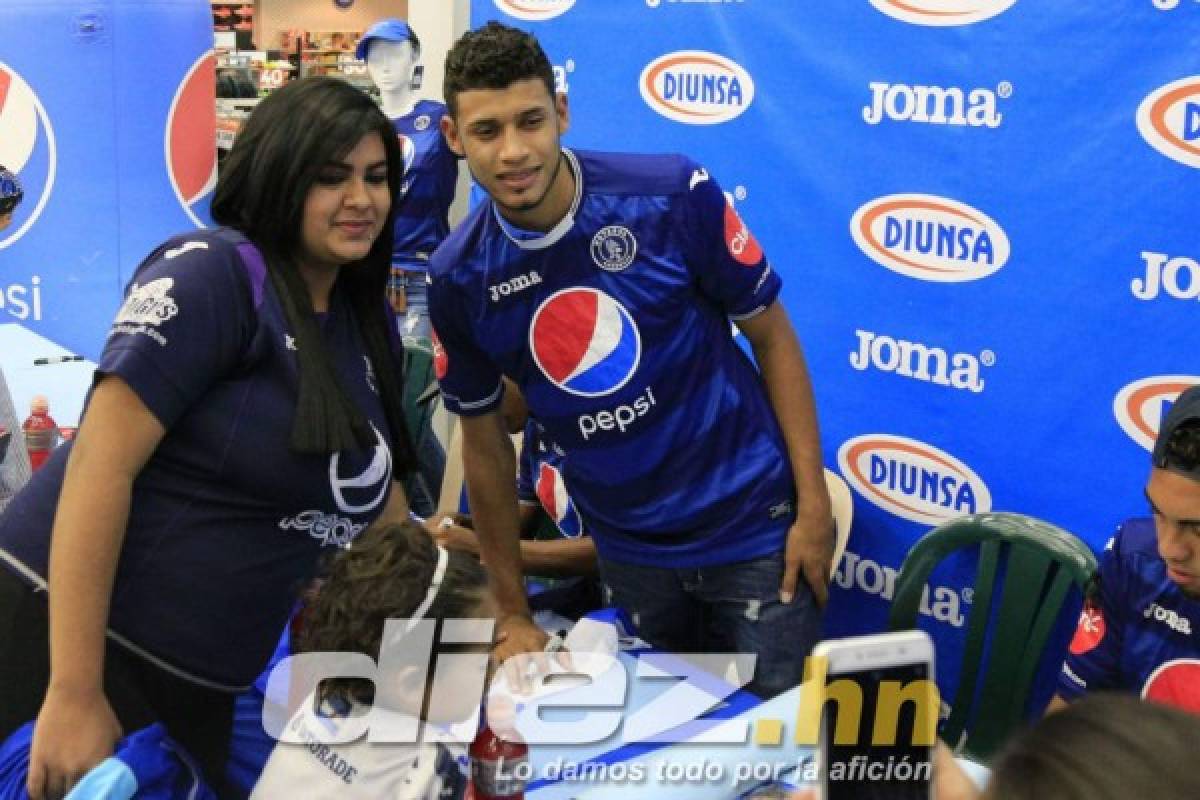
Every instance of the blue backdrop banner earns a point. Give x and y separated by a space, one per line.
977 210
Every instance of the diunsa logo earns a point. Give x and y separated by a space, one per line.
1169 120
930 238
1141 406
942 13
534 10
696 87
912 479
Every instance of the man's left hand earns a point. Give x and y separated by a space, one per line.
808 552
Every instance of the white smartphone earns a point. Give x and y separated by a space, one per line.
886 680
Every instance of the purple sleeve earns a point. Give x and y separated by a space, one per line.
1094 656
724 257
185 322
469 381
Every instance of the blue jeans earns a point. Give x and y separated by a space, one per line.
719 609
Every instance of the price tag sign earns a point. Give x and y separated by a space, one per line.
272 78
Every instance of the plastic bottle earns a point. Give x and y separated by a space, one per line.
499 763
41 432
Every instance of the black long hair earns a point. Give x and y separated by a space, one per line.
261 190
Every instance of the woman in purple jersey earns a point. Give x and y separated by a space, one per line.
247 368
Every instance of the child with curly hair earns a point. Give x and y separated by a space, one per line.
385 594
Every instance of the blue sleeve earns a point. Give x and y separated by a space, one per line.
724 258
1094 656
526 488
185 323
469 381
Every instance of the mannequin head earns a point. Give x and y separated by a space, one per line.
392 52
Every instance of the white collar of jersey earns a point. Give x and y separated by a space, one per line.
528 241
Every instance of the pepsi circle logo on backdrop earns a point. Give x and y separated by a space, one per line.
1140 406
552 492
535 10
930 238
942 13
912 479
585 342
27 147
1169 120
696 87
191 138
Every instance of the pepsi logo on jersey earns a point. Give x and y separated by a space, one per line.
942 13
696 87
27 147
1169 120
587 344
1141 405
930 238
191 139
552 492
912 479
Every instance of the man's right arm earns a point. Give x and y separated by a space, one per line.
488 466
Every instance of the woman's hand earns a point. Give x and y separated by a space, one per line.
75 731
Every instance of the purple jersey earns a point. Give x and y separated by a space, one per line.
616 327
430 173
1139 635
226 523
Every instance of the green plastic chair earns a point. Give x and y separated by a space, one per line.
1044 564
419 391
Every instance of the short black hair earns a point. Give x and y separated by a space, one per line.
494 57
1182 450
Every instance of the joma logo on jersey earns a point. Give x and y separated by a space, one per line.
912 479
696 87
1169 120
1172 619
919 361
934 105
942 13
930 238
517 284
942 603
1179 277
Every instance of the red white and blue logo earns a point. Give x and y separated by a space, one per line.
1175 683
585 342
191 139
26 148
552 491
409 153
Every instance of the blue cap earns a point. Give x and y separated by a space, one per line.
391 30
10 191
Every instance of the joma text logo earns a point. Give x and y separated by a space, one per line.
920 362
1179 277
935 105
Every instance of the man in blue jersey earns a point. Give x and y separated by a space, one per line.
1138 634
603 284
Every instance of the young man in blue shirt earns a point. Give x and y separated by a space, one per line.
603 284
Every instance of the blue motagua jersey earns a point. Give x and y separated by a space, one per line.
430 172
540 481
1140 634
615 325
